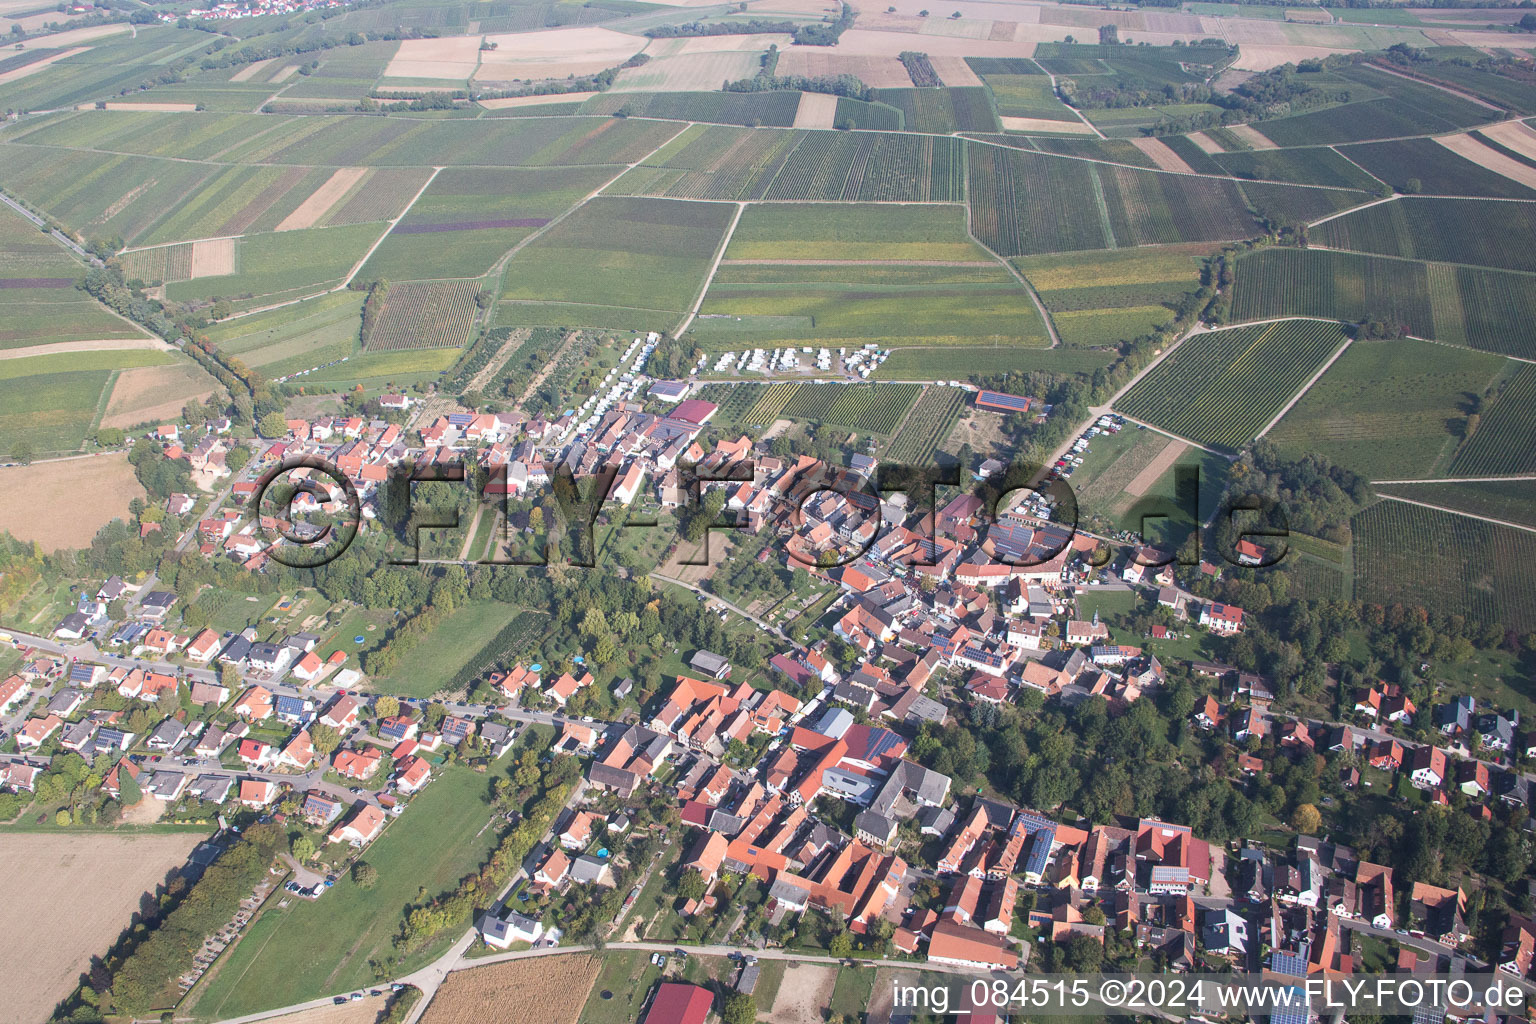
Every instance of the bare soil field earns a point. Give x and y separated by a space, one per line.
1143 481
1251 135
871 43
1206 143
284 75
36 66
450 57
1311 16
33 22
76 36
326 196
763 8
1489 159
883 72
1516 135
556 53
695 72
146 812
816 110
1041 124
151 394
250 71
548 989
1160 154
364 1011
805 992
105 345
536 101
86 887
108 479
1260 57
955 72
213 258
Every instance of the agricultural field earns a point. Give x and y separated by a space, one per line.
1491 310
1278 282
853 232
295 337
726 163
1132 290
1447 563
283 265
773 109
1098 207
1471 231
372 370
1423 165
1504 438
942 111
1513 501
926 426
42 305
1311 166
25 489
52 412
96 880
967 362
1222 387
1027 95
650 256
1389 410
154 394
424 314
551 989
863 408
467 219
313 948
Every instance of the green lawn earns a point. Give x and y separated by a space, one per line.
426 667
314 948
621 988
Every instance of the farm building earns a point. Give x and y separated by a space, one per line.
997 401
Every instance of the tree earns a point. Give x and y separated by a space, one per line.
1306 819
740 1008
365 875
23 452
303 848
324 738
841 944
272 425
692 885
386 706
237 457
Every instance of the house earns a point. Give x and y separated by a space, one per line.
294 710
677 1003
13 691
1427 766
300 751
308 668
964 945
166 786
203 647
1455 719
413 774
37 731
209 693
578 833
554 869
1221 618
361 828
501 932
588 870
1517 946
320 808
18 776
65 703
1439 914
257 793
255 704
341 713
564 688
1208 715
166 735
257 755
357 764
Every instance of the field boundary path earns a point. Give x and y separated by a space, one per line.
59 236
714 268
1093 127
390 227
1029 289
1305 387
1458 480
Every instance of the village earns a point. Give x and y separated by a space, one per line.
807 787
